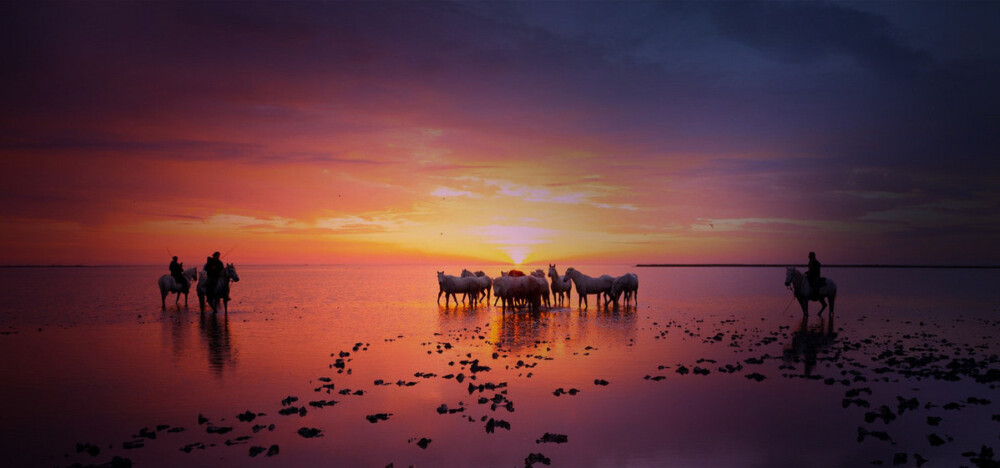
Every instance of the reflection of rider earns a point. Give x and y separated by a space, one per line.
812 274
213 270
177 271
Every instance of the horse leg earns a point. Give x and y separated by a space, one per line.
805 306
832 298
822 302
163 299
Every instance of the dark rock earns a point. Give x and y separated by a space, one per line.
536 458
756 376
189 447
554 438
218 430
237 441
133 444
424 442
310 432
935 440
374 418
322 403
601 382
492 424
272 451
289 400
91 450
256 450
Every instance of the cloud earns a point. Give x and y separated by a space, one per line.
449 192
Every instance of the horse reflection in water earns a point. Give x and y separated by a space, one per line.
214 330
550 333
808 343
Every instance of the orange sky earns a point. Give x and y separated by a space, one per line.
402 133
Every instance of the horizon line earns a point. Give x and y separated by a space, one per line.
785 265
638 265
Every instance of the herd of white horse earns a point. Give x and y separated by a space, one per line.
514 288
168 284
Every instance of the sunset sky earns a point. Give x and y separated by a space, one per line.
407 132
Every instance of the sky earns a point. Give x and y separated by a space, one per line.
507 132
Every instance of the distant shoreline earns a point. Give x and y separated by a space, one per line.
640 265
779 265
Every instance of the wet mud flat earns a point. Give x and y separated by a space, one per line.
652 386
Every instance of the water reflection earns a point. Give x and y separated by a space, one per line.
214 330
174 326
809 341
524 329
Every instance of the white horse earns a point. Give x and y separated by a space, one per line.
485 284
803 292
454 285
221 289
561 285
170 285
540 289
588 285
629 284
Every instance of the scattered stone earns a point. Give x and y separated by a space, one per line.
756 376
553 438
91 449
935 440
536 458
189 447
374 418
424 442
218 430
492 424
322 403
310 432
237 441
289 400
601 382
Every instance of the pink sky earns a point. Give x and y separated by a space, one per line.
345 133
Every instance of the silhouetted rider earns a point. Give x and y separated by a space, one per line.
213 270
177 271
812 274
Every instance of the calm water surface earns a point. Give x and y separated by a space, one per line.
88 357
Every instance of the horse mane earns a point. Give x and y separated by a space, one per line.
515 273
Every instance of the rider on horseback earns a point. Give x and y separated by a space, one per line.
213 270
812 274
177 272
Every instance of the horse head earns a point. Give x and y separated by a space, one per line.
466 273
790 275
231 273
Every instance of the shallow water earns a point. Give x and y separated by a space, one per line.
88 357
